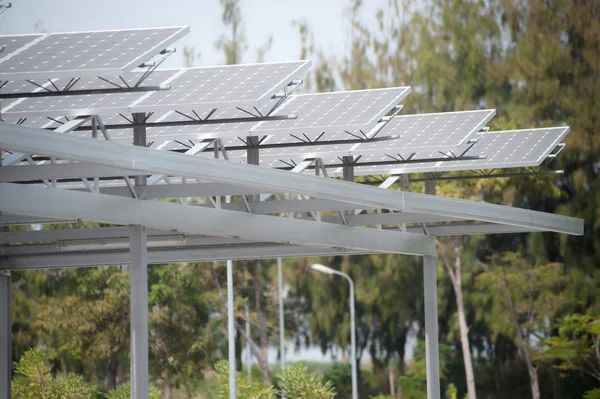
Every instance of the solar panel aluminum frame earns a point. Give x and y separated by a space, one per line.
183 30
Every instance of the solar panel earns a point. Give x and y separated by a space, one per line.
236 85
443 130
451 129
334 112
81 54
12 43
502 149
192 89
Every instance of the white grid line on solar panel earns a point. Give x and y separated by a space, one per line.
94 53
503 149
432 131
336 111
131 102
14 43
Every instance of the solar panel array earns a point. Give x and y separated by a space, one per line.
329 126
192 89
82 54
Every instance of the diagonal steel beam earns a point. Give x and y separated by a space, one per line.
22 199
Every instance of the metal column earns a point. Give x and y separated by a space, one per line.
252 157
5 336
348 168
138 276
138 281
431 327
231 330
139 139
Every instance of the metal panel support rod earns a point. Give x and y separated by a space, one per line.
231 330
138 276
431 327
5 336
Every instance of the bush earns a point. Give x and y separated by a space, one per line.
34 380
123 391
341 376
298 383
245 389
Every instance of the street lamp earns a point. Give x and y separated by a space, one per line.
327 270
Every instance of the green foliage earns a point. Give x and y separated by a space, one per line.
123 391
178 323
245 389
414 383
298 383
575 348
593 394
340 375
34 380
90 318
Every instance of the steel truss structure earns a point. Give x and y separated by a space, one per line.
192 187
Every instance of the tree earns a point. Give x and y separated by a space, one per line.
576 347
455 274
529 295
91 319
179 339
235 46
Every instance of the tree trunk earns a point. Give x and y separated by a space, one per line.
456 278
111 373
401 351
188 391
533 377
167 388
238 351
522 342
262 324
556 384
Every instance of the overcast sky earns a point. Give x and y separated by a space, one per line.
329 20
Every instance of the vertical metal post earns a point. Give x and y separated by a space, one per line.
138 281
281 318
252 158
139 139
348 168
138 276
431 327
231 330
5 336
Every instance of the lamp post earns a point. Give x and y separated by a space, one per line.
328 270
